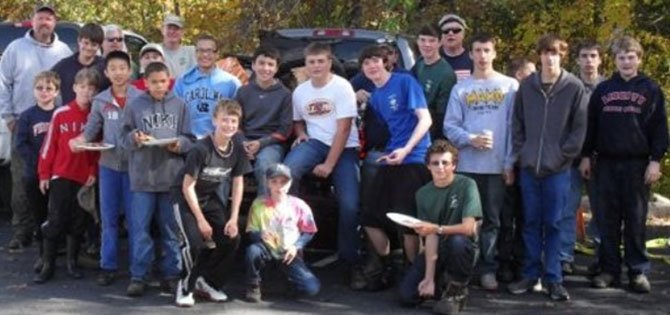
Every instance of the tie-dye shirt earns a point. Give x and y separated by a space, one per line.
282 223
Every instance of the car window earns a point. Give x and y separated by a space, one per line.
134 44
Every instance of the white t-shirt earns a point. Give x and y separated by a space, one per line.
320 108
180 60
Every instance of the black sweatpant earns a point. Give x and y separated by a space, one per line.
199 260
622 199
65 216
37 202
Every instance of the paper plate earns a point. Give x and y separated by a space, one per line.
403 219
159 142
94 146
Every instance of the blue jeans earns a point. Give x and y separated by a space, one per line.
568 224
145 206
543 200
456 257
266 157
492 195
346 178
115 201
298 274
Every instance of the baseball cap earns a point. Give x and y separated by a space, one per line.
152 47
278 169
45 7
451 18
175 20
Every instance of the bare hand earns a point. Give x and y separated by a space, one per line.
322 170
653 173
74 144
508 176
299 140
11 124
44 186
426 288
362 96
90 181
174 147
394 158
251 148
425 228
205 229
291 252
481 142
140 137
585 168
230 229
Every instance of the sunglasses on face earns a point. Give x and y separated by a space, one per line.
440 163
45 88
115 39
452 30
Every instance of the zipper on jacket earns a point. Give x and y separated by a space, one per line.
544 126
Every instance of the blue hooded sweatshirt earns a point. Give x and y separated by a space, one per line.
201 92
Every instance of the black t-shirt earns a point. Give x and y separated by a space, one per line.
213 169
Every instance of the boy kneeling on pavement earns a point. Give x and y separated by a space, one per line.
449 206
279 227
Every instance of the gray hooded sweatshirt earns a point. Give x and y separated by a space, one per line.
23 59
107 116
154 168
549 127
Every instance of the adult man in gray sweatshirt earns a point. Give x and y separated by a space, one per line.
478 123
549 126
38 50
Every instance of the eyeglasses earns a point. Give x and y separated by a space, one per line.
45 88
205 50
452 30
114 39
440 163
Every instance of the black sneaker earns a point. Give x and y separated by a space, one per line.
14 244
253 294
522 286
106 277
135 288
452 301
557 292
640 284
169 286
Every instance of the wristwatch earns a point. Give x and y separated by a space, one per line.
440 230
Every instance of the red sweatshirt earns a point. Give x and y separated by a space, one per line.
56 159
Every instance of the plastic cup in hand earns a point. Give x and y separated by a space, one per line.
488 134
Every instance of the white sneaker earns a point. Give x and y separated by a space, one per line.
489 282
203 289
538 286
183 299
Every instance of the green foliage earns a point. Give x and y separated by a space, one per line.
517 23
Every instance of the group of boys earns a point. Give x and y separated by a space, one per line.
445 142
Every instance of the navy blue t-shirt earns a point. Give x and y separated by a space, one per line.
462 64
